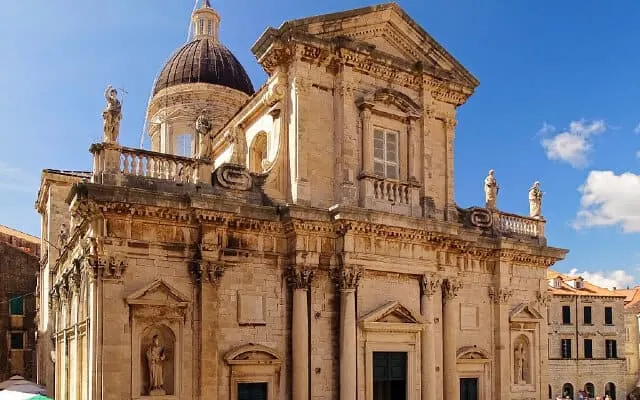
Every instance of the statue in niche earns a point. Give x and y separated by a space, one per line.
112 114
238 140
520 358
203 129
155 357
491 189
535 200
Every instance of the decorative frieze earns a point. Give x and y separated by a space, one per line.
500 295
429 285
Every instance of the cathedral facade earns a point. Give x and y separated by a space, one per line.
297 241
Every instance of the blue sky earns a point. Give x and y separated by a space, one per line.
558 101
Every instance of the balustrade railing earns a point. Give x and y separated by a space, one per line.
518 224
150 164
394 192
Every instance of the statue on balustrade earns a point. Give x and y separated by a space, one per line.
535 200
203 129
238 140
155 356
491 189
112 114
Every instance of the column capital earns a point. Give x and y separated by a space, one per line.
429 285
299 277
450 288
543 298
347 278
207 271
500 295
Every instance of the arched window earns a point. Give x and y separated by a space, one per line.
590 389
610 389
258 152
567 391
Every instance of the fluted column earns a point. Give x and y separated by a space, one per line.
429 285
300 279
347 280
450 318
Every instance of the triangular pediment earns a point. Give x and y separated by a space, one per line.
523 313
159 293
388 29
392 312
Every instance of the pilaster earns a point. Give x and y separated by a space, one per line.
299 279
429 286
501 297
451 318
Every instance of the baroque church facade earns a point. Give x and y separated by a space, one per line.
297 241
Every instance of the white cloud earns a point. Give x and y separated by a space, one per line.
638 154
609 200
572 145
637 129
619 278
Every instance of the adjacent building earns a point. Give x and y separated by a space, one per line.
632 337
587 339
19 264
299 241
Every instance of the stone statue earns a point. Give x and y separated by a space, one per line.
63 235
521 358
238 139
491 189
535 201
155 356
203 129
112 114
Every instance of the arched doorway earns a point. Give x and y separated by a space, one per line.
610 389
567 391
590 389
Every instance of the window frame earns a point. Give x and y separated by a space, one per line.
590 347
13 298
584 315
608 316
566 321
188 144
10 340
610 348
386 163
566 355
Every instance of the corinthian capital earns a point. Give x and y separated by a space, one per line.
347 277
429 285
500 295
450 287
299 277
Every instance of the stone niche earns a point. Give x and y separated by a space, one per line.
525 360
157 315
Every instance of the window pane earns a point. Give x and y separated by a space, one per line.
392 171
391 137
16 306
378 168
378 135
17 340
252 391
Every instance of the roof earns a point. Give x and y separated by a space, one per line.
20 235
204 60
589 288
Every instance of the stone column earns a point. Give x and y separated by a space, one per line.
429 286
501 298
300 280
451 317
348 278
367 139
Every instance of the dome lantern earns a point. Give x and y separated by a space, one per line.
205 22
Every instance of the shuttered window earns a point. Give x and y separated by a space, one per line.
252 391
611 348
385 153
389 375
565 345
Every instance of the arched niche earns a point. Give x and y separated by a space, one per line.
522 361
157 358
258 160
254 364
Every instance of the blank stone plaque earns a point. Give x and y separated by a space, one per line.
469 318
251 309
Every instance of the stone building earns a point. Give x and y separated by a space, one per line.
632 337
586 339
298 241
18 268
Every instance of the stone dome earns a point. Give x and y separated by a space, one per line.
204 60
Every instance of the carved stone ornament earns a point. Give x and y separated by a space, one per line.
429 285
543 298
299 277
450 288
274 95
205 271
63 236
501 295
347 278
233 176
112 114
535 200
156 356
238 139
481 218
203 129
491 189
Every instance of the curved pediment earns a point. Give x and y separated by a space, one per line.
392 97
253 354
472 353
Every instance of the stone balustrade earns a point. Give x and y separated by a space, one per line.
517 224
112 163
393 192
390 196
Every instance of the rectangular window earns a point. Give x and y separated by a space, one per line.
566 348
209 28
608 316
201 26
385 153
566 315
587 315
611 348
183 145
588 348
16 305
17 341
389 376
252 391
